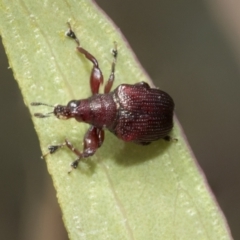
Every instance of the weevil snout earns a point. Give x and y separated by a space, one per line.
65 112
62 112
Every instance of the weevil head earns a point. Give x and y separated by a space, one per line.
66 112
60 111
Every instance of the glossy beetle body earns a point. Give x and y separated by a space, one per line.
134 113
144 114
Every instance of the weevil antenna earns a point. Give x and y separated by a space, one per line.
40 103
41 115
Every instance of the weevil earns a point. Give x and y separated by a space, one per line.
134 113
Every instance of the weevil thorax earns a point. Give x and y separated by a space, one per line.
98 110
68 111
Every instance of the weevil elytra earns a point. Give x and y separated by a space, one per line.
134 113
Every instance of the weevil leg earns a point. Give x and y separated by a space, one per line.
168 138
52 149
111 78
96 77
93 139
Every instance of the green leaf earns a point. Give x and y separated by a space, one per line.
125 191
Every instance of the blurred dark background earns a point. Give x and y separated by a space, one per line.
189 49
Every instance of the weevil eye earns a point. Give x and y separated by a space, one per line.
73 104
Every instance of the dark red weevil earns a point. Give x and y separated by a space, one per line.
134 113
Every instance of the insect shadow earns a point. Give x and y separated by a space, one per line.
132 154
128 155
123 153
